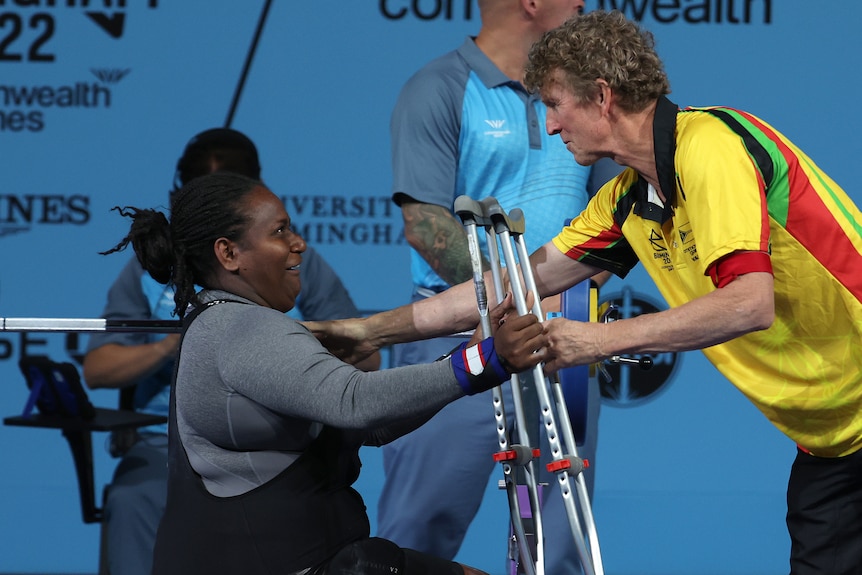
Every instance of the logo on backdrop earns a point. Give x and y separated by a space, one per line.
20 212
429 10
359 220
630 386
691 11
27 37
660 11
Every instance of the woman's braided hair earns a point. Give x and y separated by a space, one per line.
180 251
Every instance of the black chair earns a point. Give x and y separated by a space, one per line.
62 404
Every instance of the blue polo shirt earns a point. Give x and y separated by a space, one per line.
462 127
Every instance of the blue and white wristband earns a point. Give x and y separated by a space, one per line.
478 368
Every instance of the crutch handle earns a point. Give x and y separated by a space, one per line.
513 222
470 211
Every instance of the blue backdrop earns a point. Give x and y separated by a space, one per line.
97 100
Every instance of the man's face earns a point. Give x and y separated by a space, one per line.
552 13
581 125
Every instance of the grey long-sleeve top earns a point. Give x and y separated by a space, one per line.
254 387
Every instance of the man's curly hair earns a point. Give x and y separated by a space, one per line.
600 45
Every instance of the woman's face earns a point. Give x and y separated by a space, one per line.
269 253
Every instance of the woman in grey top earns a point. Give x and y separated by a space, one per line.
266 424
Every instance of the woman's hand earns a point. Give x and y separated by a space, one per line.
518 340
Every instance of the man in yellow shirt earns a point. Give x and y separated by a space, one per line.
756 250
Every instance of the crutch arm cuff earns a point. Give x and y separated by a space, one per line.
477 368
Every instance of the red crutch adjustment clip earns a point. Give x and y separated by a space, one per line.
571 465
505 456
520 454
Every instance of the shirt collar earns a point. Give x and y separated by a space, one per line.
664 143
488 72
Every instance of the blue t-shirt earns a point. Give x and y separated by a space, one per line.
462 127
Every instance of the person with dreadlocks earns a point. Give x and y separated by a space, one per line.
141 364
265 424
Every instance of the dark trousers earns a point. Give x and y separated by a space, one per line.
824 515
375 556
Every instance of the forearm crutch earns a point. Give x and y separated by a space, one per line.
565 463
510 456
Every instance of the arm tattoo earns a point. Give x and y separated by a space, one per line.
440 239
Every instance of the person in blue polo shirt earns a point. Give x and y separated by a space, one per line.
464 125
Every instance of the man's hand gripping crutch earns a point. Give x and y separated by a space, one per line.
566 464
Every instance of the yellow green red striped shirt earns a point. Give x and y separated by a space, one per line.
734 183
